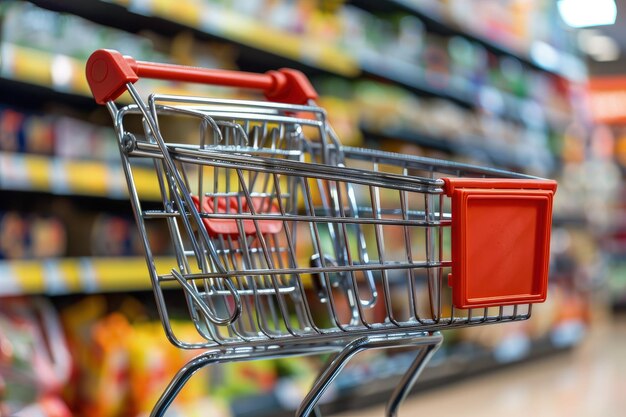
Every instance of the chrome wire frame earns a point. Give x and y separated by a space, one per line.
328 247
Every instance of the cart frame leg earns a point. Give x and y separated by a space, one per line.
426 343
217 356
409 378
181 378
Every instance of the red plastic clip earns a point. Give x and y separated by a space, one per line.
500 240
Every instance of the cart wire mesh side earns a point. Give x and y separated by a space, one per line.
288 243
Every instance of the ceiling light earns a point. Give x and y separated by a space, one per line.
585 13
600 47
603 49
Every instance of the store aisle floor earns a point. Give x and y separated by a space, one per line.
590 381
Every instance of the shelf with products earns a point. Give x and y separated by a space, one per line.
53 155
380 112
463 68
48 61
61 176
613 244
40 47
70 90
213 21
601 176
424 112
52 245
515 40
525 111
617 283
386 61
468 147
43 151
58 72
60 276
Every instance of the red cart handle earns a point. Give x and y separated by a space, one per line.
108 72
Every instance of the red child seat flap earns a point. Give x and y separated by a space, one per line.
230 205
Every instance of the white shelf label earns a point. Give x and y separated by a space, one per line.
7 60
14 172
58 177
9 284
54 279
88 276
140 6
116 181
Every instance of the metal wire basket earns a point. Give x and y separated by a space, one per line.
288 243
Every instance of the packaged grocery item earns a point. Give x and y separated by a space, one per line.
124 362
114 236
34 359
39 135
47 237
13 236
77 139
11 130
98 341
31 236
436 61
27 25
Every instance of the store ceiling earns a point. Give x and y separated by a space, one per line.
617 32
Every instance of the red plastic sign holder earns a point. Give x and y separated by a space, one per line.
500 240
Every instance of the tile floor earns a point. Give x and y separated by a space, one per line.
589 381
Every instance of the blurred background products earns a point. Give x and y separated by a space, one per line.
495 83
34 359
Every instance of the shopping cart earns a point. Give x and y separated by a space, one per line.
288 243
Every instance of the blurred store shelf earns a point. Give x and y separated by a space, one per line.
435 18
29 172
64 276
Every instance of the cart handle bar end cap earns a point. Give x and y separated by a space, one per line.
108 72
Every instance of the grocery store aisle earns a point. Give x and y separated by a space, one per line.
590 381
